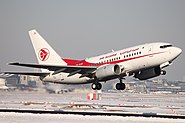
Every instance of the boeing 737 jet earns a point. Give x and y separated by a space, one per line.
143 62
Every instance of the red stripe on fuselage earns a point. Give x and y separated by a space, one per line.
71 61
85 63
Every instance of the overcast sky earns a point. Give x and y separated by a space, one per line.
84 28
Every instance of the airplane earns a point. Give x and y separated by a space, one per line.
142 62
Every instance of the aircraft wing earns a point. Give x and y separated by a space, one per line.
84 70
27 73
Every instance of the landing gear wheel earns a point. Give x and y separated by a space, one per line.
163 72
120 86
93 86
99 86
96 86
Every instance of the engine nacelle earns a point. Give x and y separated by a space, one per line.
148 73
107 71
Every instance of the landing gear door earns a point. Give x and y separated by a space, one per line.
150 51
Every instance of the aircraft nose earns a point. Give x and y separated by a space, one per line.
175 52
178 51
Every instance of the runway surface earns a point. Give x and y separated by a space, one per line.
170 104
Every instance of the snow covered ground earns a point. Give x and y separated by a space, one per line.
120 102
58 118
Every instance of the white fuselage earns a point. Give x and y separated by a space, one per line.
131 60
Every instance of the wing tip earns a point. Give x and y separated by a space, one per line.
13 63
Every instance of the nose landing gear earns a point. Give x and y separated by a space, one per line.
120 86
163 72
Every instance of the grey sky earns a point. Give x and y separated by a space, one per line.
84 28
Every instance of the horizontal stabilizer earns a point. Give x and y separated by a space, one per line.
3 75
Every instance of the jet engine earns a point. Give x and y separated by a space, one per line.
148 73
107 71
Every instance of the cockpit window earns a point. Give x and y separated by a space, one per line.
165 46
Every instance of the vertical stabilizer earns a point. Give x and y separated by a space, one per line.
44 52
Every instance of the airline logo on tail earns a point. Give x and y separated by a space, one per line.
44 54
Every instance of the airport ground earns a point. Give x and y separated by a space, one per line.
156 103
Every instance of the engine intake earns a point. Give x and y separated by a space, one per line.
107 71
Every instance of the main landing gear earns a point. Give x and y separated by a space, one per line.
96 86
120 86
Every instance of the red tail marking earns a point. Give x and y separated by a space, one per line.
44 54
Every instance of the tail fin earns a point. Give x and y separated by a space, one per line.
44 52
